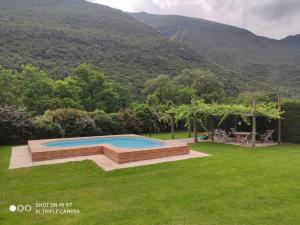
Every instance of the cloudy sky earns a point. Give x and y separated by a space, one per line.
271 18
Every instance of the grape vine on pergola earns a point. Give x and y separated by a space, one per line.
198 112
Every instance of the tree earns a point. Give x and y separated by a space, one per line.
92 84
99 94
38 90
113 97
196 113
162 90
205 84
11 91
67 92
160 87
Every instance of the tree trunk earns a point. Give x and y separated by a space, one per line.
150 130
190 130
212 128
254 122
195 132
279 120
172 128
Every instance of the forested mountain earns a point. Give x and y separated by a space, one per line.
268 61
292 43
57 35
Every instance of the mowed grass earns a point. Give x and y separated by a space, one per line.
234 186
167 136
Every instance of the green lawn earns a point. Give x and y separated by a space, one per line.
235 186
167 136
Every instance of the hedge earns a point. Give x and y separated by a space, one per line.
291 122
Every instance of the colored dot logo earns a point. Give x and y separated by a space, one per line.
12 208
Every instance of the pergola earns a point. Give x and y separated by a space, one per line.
199 112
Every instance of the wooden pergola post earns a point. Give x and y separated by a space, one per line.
279 120
189 129
235 123
195 131
172 127
254 121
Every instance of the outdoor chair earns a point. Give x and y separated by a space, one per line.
224 136
247 139
232 131
267 136
217 134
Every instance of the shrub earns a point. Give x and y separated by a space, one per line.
129 121
105 123
15 125
72 121
291 122
45 128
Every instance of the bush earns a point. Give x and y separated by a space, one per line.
15 125
129 121
291 122
73 122
105 123
45 128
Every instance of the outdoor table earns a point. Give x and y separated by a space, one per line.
240 135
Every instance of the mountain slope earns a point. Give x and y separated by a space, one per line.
292 43
57 35
266 60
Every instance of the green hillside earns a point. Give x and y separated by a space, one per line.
57 35
265 60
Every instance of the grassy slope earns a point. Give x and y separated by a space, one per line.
234 186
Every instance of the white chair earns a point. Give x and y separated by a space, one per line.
267 136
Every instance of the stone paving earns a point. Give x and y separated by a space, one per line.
20 158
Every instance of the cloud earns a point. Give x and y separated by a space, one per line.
271 18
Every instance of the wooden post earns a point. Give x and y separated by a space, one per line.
212 129
150 130
172 127
195 131
279 120
254 121
235 123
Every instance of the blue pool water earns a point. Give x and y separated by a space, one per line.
121 142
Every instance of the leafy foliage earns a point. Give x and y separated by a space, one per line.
192 83
15 125
291 122
57 36
88 89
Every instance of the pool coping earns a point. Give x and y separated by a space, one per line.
39 152
20 158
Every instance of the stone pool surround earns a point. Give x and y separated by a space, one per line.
39 152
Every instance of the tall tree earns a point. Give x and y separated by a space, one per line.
99 94
38 90
205 84
11 91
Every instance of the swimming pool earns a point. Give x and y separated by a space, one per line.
118 148
120 142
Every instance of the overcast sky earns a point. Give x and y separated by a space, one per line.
271 18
